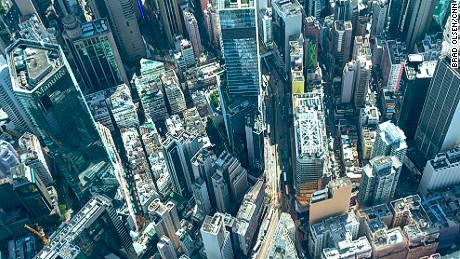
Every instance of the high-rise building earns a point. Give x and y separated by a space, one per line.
341 44
437 129
187 52
9 158
399 16
363 59
150 91
166 248
123 108
287 20
234 174
310 146
99 108
123 22
202 166
187 245
332 201
34 157
379 17
240 48
283 245
174 153
170 19
394 56
216 239
221 192
379 180
390 141
441 171
96 231
348 80
95 53
420 19
342 10
255 143
193 33
414 87
201 195
296 64
46 87
165 219
212 21
173 92
9 102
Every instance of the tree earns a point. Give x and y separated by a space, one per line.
214 99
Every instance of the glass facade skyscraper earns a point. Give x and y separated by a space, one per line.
239 46
54 104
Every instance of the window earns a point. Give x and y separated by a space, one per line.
46 102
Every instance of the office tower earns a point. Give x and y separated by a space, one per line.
166 249
379 180
9 102
394 56
440 172
390 141
341 44
201 195
342 10
123 108
334 200
177 166
95 231
266 26
314 8
348 82
287 21
420 19
255 143
193 33
216 239
31 191
170 19
173 92
47 89
123 22
165 219
187 52
9 158
437 129
297 64
202 166
363 73
212 22
221 192
310 146
187 245
379 17
234 174
150 91
415 82
399 16
238 24
234 112
340 232
34 157
95 53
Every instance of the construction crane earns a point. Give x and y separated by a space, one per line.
39 232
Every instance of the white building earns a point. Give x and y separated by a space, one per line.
34 157
123 108
390 141
348 80
166 220
441 171
173 92
201 195
187 51
216 239
166 249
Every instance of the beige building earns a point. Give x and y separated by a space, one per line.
332 201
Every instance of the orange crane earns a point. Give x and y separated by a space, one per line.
39 232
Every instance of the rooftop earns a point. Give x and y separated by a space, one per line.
288 8
446 159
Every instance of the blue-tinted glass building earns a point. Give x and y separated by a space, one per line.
54 105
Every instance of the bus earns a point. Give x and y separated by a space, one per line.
257 246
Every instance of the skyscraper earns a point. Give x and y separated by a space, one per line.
420 19
34 157
342 10
379 180
234 174
9 158
363 71
166 249
287 18
390 141
438 127
240 49
200 193
216 238
255 143
193 33
379 17
123 22
165 219
95 53
46 87
341 44
399 15
177 166
170 19
202 165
